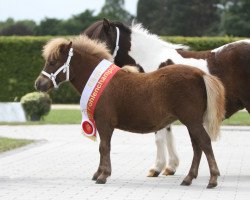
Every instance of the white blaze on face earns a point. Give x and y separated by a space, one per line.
150 51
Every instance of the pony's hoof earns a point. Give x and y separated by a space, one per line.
211 185
186 183
94 178
168 172
100 181
153 173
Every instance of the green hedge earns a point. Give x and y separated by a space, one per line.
21 62
201 43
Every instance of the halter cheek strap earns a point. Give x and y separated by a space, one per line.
117 42
64 68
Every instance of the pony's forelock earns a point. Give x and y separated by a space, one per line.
52 48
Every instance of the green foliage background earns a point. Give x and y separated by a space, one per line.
21 62
180 17
201 43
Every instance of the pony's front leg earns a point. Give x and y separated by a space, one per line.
104 169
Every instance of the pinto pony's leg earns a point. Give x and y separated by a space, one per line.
173 160
160 162
164 138
104 169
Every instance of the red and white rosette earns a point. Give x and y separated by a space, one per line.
92 91
88 128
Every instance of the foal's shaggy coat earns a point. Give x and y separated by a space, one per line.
143 103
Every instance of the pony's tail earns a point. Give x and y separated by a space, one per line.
215 106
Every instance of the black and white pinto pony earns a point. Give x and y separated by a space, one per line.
136 46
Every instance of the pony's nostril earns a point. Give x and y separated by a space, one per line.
41 85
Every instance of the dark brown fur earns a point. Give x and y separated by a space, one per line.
232 66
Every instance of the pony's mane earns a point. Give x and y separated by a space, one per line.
121 26
131 69
82 44
138 28
85 45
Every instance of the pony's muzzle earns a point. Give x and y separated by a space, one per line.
43 84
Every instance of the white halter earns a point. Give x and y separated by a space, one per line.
117 42
65 68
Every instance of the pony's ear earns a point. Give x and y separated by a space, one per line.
64 48
70 44
106 25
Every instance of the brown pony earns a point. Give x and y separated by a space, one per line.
231 63
141 102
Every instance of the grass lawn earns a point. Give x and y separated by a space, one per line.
60 116
240 118
57 116
7 144
73 116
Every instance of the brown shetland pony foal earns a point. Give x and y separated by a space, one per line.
143 103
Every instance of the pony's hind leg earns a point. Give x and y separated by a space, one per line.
200 136
160 162
173 160
193 172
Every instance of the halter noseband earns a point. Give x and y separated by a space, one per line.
65 68
117 42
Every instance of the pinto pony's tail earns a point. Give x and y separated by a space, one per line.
215 106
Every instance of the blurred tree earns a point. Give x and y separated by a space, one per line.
114 10
16 29
24 27
180 17
49 26
153 14
77 23
7 23
72 26
29 23
236 17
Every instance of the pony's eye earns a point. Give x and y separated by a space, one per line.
52 62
